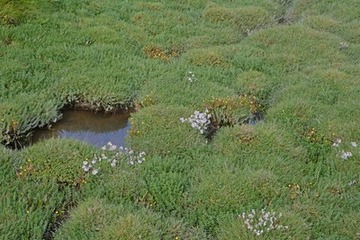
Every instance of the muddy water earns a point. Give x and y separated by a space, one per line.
94 128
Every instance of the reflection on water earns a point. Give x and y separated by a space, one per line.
94 128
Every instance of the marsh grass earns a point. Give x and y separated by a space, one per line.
298 58
17 12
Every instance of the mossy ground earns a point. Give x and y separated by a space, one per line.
299 59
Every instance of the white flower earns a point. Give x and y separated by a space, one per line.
262 221
352 183
336 142
94 171
183 120
191 77
199 120
345 155
123 154
354 144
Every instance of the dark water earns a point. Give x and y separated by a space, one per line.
94 128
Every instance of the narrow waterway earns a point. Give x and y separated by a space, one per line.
94 128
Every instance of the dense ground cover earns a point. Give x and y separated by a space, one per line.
293 62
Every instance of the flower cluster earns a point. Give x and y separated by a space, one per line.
352 183
87 167
343 154
199 120
113 154
336 142
191 77
343 45
258 223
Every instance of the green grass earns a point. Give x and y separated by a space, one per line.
298 59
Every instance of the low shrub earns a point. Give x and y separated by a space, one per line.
208 57
209 202
285 225
166 182
56 159
30 208
97 219
158 130
243 18
16 12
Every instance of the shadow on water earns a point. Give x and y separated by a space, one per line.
94 128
